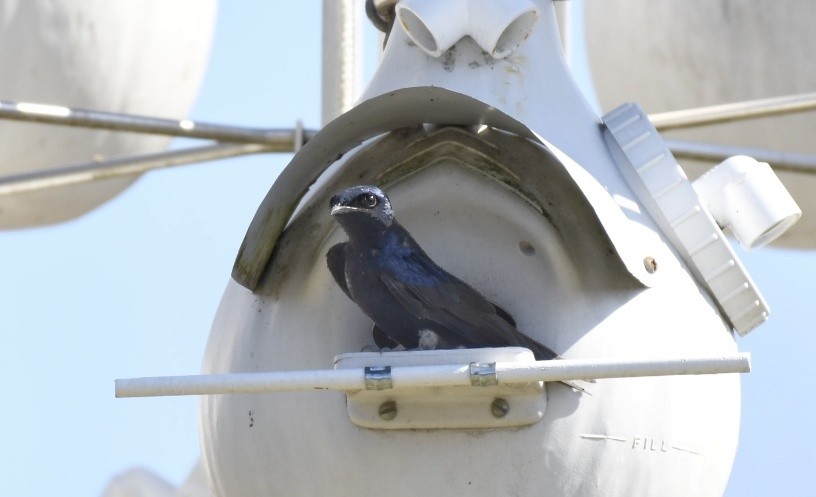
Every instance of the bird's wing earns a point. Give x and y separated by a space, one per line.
450 307
336 260
505 315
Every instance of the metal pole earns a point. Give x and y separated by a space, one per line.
90 171
780 161
426 376
342 59
749 109
56 114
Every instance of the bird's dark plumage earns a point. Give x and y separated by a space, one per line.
388 275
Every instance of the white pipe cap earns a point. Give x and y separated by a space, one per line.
748 197
498 26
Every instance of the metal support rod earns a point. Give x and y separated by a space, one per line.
748 109
281 139
780 161
90 171
341 56
427 376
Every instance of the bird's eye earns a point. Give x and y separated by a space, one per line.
368 201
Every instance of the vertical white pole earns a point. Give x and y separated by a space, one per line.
342 54
563 14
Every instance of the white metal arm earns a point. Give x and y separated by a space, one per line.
427 376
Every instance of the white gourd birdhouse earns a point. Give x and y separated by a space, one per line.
584 229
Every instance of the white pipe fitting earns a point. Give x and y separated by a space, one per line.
748 197
498 26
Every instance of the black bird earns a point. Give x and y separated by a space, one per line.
411 300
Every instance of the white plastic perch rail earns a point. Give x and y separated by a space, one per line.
427 376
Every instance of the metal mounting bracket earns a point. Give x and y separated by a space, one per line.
483 404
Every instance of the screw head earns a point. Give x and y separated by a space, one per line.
388 410
650 264
499 407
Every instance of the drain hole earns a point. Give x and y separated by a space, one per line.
526 248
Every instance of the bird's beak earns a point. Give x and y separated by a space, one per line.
337 207
342 209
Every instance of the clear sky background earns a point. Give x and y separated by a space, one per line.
131 288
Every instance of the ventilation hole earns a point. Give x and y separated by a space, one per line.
526 248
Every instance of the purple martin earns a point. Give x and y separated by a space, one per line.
411 300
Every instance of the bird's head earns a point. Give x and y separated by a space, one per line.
363 203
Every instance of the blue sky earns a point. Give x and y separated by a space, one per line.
131 288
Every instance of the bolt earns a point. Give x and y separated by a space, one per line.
499 407
651 264
388 410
